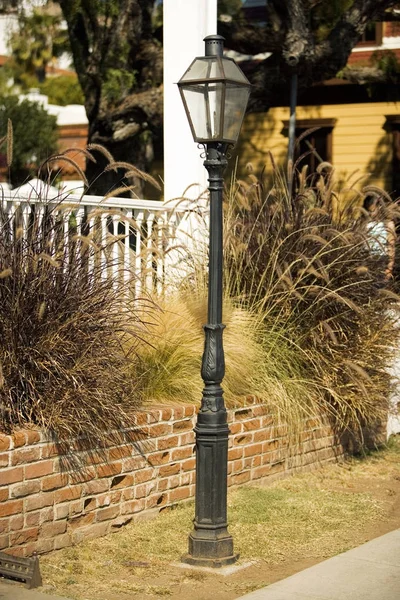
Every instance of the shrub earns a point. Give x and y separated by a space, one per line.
35 135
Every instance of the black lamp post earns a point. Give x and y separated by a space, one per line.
215 93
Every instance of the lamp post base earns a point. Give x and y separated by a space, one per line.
215 550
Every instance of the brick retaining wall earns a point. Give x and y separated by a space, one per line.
44 506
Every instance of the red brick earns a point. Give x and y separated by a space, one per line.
53 528
105 514
95 487
166 414
109 469
41 546
45 467
239 478
67 494
5 442
253 450
269 446
5 459
32 436
119 452
181 453
168 442
167 470
267 421
237 466
235 428
87 474
190 410
62 541
243 413
10 508
159 458
174 482
25 489
235 453
143 475
19 439
3 494
81 520
16 523
32 519
89 504
47 514
53 482
49 450
39 501
187 438
22 537
260 410
133 463
179 412
160 429
141 419
178 494
252 424
132 506
259 472
188 465
140 491
8 476
4 525
62 511
184 425
246 438
4 542
127 494
162 484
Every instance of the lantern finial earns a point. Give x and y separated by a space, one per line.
214 45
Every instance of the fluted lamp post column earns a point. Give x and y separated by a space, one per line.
215 93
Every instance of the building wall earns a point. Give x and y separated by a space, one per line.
360 143
46 505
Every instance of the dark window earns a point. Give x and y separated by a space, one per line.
392 125
372 35
313 142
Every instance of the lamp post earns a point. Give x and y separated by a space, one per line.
215 93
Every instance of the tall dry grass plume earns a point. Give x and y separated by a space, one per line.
65 325
304 264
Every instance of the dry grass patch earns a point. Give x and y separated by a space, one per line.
313 515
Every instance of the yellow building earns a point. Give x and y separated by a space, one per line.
359 139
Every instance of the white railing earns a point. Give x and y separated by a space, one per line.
142 236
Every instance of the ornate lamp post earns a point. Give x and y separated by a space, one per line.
215 93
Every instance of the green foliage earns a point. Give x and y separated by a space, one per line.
40 38
326 14
35 135
118 83
386 61
62 90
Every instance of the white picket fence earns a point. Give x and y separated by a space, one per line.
147 238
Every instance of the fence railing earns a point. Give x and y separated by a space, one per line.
137 235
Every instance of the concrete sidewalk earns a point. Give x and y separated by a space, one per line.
369 572
15 591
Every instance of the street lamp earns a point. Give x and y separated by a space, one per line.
215 93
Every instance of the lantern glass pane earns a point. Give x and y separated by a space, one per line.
236 98
204 68
203 102
233 72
